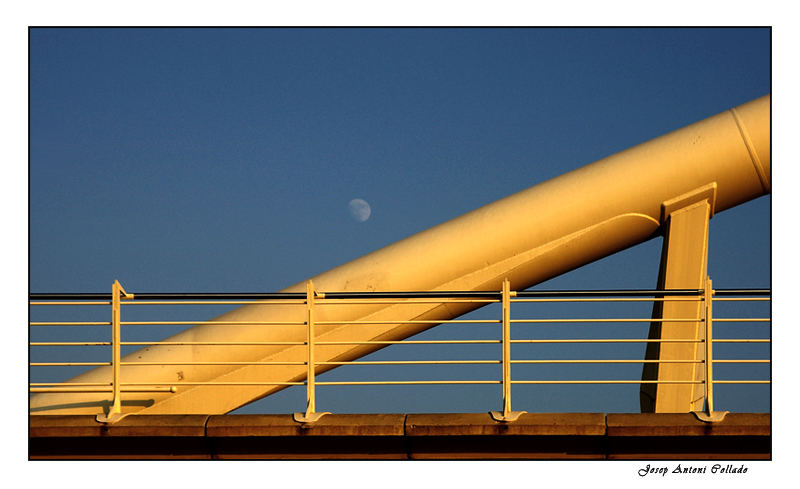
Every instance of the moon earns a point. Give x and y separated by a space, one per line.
359 209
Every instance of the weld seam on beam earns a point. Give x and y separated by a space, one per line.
751 151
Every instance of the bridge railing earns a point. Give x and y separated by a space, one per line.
312 300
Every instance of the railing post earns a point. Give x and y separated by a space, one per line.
310 415
507 414
708 318
709 337
115 411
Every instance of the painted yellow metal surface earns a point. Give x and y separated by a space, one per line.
683 266
527 237
506 414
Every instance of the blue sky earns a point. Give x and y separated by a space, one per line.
189 160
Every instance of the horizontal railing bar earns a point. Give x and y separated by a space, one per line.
408 342
326 301
69 343
323 302
208 363
219 323
410 382
75 296
613 299
412 321
604 361
741 292
428 382
606 381
176 384
742 320
318 302
607 320
387 362
376 342
739 340
478 294
742 299
726 360
211 343
413 362
435 362
741 381
608 293
65 384
274 302
626 340
70 323
69 364
330 301
267 295
83 390
170 295
426 321
398 295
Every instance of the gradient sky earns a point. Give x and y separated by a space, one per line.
223 160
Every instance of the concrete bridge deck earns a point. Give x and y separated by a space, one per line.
402 437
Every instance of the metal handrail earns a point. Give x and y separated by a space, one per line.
248 296
312 299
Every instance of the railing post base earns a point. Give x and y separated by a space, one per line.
308 417
110 418
712 417
506 417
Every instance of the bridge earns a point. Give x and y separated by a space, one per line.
172 395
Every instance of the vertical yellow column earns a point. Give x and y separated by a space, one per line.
683 266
